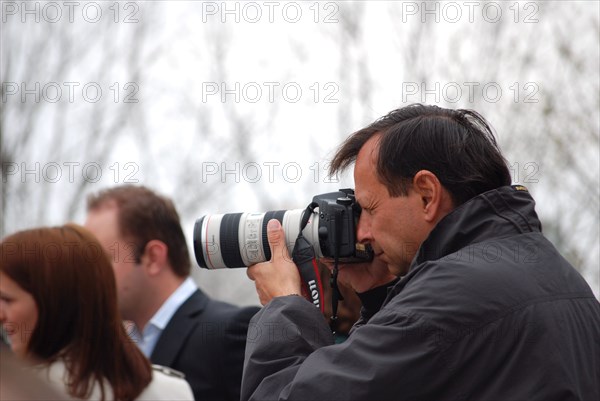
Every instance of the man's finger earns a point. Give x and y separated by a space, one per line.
250 272
276 238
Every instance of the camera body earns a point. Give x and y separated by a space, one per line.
240 239
338 219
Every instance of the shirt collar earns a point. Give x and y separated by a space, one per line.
170 306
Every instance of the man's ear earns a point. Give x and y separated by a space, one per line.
155 257
433 195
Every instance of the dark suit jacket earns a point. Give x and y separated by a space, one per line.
205 339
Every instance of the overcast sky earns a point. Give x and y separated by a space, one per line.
238 106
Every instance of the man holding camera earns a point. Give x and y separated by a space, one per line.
176 324
464 299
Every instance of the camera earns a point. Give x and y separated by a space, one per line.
240 239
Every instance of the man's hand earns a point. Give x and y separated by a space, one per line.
362 277
279 276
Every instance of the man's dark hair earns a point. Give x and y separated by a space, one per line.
458 146
144 216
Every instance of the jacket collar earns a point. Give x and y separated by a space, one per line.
497 213
178 329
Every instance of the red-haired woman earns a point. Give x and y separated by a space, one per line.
58 306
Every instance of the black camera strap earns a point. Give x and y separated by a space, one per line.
303 256
336 294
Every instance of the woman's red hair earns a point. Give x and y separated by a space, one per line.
72 282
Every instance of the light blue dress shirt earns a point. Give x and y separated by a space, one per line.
146 340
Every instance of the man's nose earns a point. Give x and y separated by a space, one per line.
363 230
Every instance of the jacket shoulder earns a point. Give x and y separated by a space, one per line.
168 371
167 384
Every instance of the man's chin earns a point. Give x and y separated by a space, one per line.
397 270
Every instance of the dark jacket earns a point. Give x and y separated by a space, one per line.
488 311
205 340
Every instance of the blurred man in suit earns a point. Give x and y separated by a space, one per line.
174 323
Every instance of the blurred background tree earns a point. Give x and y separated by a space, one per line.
200 101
